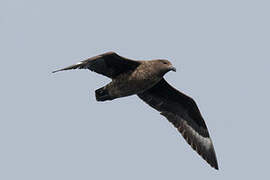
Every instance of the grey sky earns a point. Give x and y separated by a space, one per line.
51 127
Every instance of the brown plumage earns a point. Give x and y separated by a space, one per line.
145 78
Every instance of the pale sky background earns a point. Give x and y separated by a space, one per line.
52 128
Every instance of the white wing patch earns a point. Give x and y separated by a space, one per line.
205 141
78 63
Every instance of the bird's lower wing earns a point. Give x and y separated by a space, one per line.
184 114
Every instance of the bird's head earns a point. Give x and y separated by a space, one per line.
163 66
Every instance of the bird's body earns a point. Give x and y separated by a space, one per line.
145 79
134 82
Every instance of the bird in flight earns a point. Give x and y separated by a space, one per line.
145 79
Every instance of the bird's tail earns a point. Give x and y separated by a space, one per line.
102 94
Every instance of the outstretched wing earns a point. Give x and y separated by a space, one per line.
109 64
184 114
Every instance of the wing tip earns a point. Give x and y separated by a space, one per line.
58 70
211 157
55 71
215 163
216 167
212 161
208 154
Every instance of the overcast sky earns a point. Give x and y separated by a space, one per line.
51 126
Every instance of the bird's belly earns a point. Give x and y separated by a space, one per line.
130 87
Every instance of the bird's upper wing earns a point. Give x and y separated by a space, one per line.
184 114
109 64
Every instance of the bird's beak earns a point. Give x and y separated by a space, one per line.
173 68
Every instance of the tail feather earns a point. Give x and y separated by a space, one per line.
102 94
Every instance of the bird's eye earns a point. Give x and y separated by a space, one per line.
164 62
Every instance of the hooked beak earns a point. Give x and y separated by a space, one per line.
173 68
